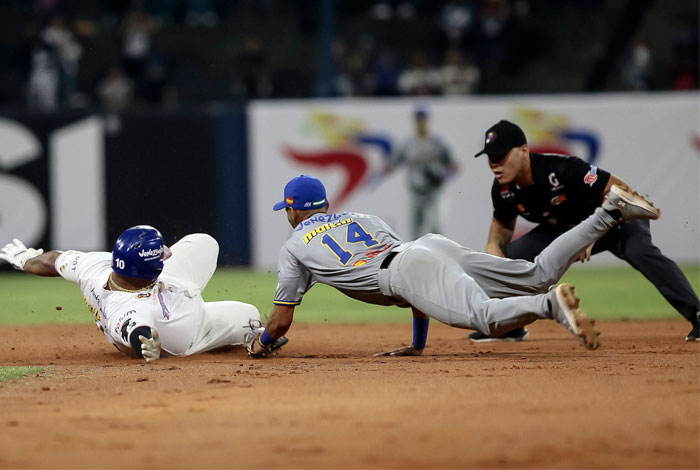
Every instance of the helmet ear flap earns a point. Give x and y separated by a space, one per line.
138 252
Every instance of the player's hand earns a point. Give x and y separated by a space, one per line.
17 254
405 351
257 350
150 347
586 254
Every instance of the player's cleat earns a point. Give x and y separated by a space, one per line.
518 334
565 309
694 334
628 205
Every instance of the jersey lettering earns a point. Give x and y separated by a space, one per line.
343 256
310 235
355 234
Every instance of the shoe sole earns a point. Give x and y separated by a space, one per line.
635 199
488 339
582 323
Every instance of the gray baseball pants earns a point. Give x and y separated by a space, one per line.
425 212
468 289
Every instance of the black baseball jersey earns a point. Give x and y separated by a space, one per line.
565 191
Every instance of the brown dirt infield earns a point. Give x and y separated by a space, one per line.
324 402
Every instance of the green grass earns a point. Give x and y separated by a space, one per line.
623 293
10 373
606 293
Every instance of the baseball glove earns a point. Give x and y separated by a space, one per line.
257 350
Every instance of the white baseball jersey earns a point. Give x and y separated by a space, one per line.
174 306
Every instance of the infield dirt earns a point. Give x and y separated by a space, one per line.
324 402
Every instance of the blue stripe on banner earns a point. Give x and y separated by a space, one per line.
233 203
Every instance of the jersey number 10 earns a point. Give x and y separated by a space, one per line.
355 234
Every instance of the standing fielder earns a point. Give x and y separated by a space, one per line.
146 297
429 165
558 192
362 257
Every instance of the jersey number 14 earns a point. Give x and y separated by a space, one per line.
355 234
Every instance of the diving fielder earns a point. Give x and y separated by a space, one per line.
145 297
362 257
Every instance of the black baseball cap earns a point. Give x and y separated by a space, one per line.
501 138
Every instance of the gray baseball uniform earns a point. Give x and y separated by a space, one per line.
429 163
361 256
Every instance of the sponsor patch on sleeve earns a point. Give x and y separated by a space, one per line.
592 176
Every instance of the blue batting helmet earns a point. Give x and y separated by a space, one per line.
138 252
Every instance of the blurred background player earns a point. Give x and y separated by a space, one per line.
362 257
429 164
146 297
557 192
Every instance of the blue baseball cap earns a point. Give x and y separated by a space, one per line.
303 193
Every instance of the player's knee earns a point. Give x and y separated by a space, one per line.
251 311
543 276
203 241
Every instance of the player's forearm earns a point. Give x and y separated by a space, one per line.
43 265
500 234
280 321
421 322
614 180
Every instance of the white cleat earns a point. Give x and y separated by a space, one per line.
631 205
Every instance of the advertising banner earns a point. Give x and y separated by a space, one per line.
650 141
75 181
52 181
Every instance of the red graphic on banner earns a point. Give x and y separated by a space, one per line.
549 148
353 164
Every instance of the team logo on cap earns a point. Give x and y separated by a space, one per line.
289 200
490 137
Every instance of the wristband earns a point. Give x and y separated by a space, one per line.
420 332
265 339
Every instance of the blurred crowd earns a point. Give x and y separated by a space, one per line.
123 54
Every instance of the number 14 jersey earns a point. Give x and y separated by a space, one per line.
344 251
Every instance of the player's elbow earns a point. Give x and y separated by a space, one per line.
493 248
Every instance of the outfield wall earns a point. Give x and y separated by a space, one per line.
650 140
76 180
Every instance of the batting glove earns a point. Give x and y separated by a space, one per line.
17 254
150 347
